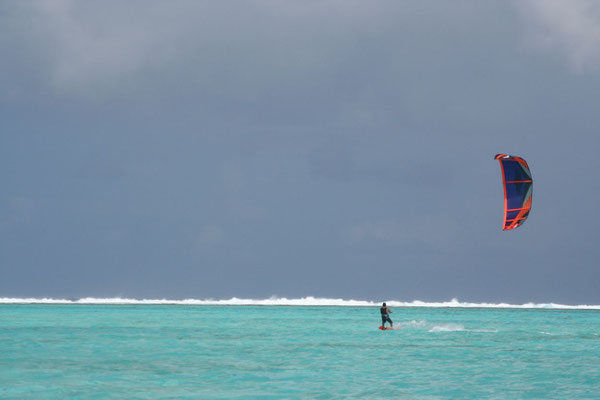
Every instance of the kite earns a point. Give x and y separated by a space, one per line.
518 189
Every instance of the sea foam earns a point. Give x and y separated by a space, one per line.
283 301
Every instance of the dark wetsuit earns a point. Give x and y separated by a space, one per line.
384 316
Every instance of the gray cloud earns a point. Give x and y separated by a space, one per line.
571 29
91 48
429 230
252 148
209 237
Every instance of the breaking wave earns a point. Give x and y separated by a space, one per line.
283 301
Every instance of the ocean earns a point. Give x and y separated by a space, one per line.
295 349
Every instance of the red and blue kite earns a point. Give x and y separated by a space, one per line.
518 189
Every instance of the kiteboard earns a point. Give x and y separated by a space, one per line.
386 328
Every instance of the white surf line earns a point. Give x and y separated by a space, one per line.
282 301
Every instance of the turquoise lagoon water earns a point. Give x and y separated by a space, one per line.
296 352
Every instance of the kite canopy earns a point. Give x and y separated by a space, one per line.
518 188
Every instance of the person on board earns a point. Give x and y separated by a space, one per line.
385 311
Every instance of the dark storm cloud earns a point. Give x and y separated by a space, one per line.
197 149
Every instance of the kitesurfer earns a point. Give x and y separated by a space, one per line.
384 315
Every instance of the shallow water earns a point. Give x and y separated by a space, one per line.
228 352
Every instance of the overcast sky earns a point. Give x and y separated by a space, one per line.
329 148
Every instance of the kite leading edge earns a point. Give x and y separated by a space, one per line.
518 189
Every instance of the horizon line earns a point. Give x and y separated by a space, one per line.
307 301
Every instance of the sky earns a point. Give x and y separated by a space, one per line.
211 149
